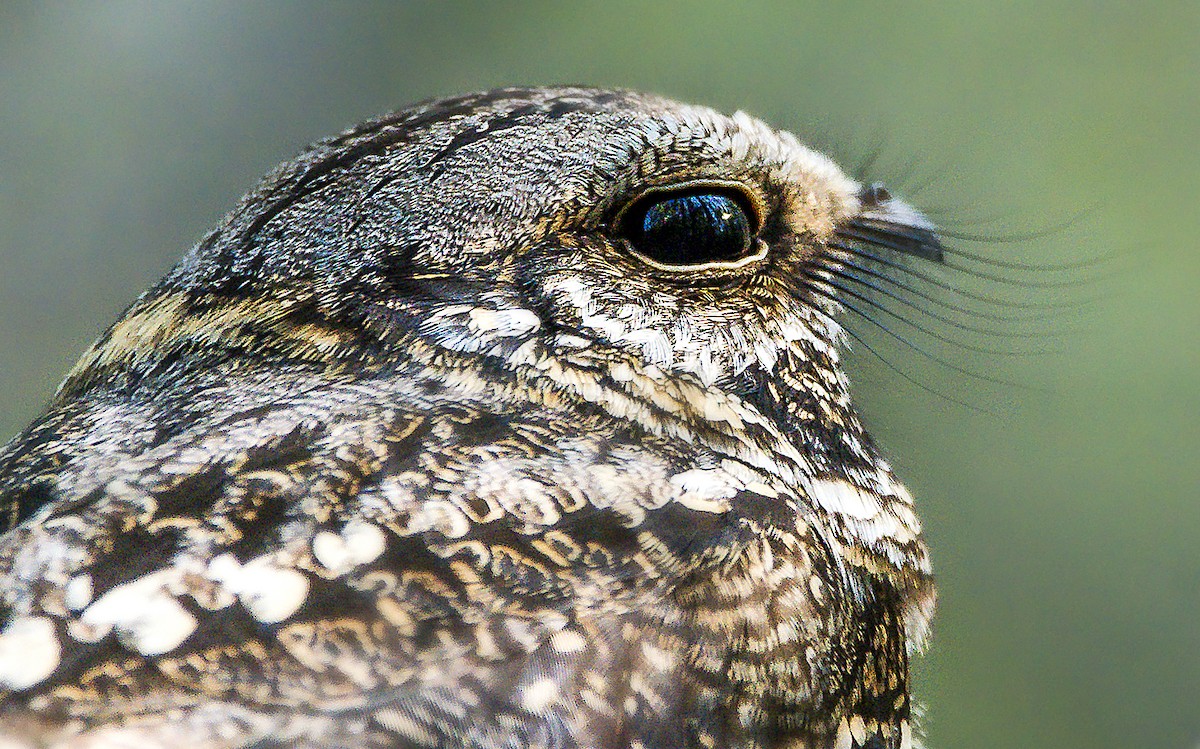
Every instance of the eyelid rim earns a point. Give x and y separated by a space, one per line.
749 199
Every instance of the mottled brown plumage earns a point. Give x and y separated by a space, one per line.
430 444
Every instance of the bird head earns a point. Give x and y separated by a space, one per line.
520 224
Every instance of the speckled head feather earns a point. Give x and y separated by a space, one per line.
445 437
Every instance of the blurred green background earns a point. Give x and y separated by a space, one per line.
1064 524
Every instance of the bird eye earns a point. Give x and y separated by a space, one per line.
690 228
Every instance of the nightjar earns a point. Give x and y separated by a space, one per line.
515 419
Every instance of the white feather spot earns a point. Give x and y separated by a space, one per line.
330 550
719 409
270 592
705 489
77 593
858 729
146 617
843 498
539 695
366 541
503 322
567 340
658 658
29 652
844 740
621 372
356 545
567 641
163 626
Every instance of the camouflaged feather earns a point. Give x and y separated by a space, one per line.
415 450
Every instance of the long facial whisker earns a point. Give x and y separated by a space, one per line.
880 232
883 291
879 287
925 329
900 240
1019 236
912 378
845 258
868 164
1090 262
815 286
1019 282
964 293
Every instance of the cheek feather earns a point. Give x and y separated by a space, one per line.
709 344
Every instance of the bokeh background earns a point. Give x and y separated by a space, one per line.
1064 519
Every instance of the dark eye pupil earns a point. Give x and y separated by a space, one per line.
691 229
